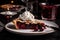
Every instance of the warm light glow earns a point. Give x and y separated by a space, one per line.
43 3
8 8
12 1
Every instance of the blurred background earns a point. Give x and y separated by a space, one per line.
20 2
37 7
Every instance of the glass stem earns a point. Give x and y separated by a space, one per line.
26 5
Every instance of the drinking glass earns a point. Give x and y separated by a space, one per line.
49 12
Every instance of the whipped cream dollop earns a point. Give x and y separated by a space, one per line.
27 16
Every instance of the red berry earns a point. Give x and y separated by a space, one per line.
42 24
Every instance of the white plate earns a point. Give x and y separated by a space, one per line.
50 23
8 13
30 31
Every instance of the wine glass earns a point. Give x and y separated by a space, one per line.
29 6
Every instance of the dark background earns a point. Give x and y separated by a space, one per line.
19 1
36 7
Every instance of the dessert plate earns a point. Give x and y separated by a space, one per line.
10 28
8 13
